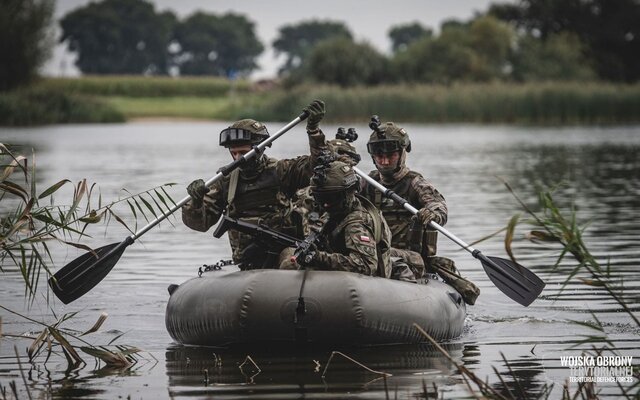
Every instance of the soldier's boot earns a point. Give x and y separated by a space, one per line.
446 268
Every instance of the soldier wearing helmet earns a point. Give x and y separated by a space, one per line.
388 146
258 192
305 210
355 237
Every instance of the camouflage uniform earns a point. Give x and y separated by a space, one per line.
342 150
355 238
419 193
259 194
407 235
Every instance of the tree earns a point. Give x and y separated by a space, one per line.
403 35
440 60
560 57
24 40
297 41
223 45
491 40
608 29
119 37
346 63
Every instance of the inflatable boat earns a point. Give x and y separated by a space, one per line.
229 306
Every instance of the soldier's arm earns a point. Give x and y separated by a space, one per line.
317 145
204 217
360 255
429 197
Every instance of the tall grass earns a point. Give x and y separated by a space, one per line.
114 98
40 106
146 86
544 103
31 222
172 107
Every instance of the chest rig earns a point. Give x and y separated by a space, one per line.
405 232
260 197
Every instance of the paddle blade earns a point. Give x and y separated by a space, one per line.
514 280
82 274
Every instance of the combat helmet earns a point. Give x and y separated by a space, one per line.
342 146
333 185
387 138
245 131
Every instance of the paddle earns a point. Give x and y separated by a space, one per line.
82 274
514 280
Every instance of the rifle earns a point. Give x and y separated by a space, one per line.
265 235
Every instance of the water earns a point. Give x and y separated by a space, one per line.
600 169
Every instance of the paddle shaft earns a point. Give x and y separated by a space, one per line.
226 170
514 280
395 197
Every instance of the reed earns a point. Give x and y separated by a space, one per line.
544 103
32 221
145 86
114 98
39 106
201 108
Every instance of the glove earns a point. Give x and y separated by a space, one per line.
197 190
316 113
426 215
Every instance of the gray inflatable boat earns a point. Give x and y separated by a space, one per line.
230 306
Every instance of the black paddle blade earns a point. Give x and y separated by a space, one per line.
514 280
82 274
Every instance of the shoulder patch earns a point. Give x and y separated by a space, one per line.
365 239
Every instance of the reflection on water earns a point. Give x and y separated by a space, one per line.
287 372
601 171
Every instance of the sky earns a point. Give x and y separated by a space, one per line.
368 20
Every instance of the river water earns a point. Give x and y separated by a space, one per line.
595 168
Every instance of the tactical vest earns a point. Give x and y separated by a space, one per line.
399 219
258 200
382 243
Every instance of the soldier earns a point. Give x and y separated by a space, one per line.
388 146
305 210
355 238
258 192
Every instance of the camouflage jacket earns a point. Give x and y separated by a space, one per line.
350 244
263 198
419 193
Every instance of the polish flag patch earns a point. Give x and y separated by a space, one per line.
366 239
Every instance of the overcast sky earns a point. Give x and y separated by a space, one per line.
368 20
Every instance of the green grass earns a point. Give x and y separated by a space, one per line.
171 107
557 103
38 106
146 86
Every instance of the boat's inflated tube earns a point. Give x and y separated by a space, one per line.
223 307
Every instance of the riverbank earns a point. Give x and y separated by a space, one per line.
116 99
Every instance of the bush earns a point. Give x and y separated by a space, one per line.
38 106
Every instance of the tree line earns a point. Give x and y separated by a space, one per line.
530 40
